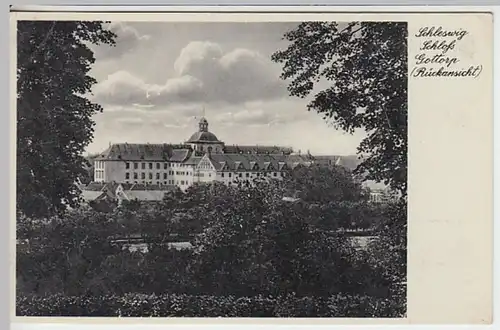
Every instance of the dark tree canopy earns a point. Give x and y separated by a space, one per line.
365 67
54 122
321 184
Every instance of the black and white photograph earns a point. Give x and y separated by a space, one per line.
211 169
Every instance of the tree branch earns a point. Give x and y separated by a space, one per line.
42 44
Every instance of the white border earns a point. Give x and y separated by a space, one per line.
273 10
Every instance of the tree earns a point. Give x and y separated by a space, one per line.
54 122
389 250
322 184
255 243
365 67
64 254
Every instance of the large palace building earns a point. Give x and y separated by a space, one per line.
202 158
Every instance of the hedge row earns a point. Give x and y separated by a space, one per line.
181 305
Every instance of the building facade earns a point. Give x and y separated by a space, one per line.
202 158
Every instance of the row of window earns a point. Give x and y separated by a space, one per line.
202 174
99 164
167 182
128 175
99 174
150 166
248 174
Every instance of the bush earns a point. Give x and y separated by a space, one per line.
174 305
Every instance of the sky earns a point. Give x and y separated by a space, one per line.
161 77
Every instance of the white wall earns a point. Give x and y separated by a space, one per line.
117 170
181 175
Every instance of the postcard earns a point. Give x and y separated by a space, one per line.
269 165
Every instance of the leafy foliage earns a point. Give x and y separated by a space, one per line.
254 242
388 253
248 243
54 122
62 253
364 65
174 305
321 184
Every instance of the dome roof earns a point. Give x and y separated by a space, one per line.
203 137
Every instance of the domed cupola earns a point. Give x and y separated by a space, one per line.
203 140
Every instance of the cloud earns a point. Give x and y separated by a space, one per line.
128 38
247 117
121 88
203 73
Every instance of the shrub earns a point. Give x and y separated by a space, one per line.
182 305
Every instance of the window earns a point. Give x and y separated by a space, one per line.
209 175
135 176
222 174
127 176
126 182
136 166
150 176
157 176
143 175
165 166
247 175
275 174
182 182
157 166
150 166
127 165
177 173
143 166
165 182
229 174
165 176
240 175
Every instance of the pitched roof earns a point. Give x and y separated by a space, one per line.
149 195
193 160
235 149
93 186
180 155
90 195
247 162
156 152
